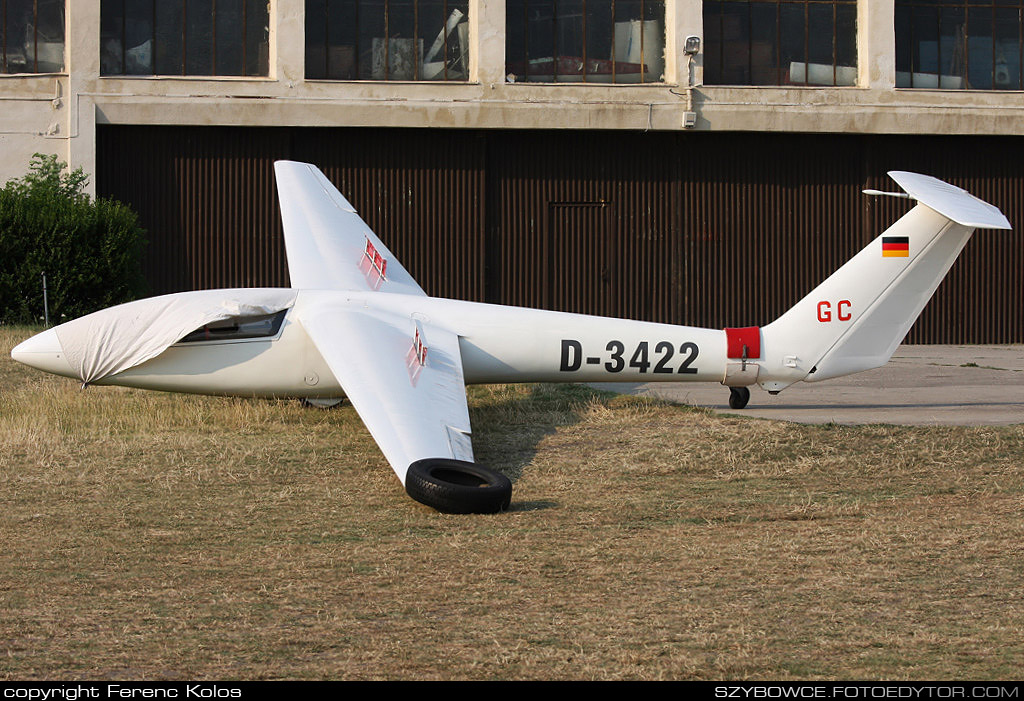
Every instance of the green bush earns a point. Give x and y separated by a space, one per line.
89 249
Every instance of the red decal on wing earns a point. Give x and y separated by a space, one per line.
373 265
416 358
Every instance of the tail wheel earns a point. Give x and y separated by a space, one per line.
458 487
738 397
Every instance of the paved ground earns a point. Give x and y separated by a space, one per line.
952 385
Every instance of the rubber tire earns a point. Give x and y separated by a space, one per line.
458 487
738 397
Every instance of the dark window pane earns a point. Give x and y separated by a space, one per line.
846 44
540 40
713 42
980 49
820 44
599 45
1006 30
49 36
951 58
112 37
404 50
199 37
372 34
904 53
138 34
168 60
736 43
515 38
257 38
569 66
342 38
764 55
792 21
317 19
20 37
925 33
228 36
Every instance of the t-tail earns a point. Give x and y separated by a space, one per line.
855 319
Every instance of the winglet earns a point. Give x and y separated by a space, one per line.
950 201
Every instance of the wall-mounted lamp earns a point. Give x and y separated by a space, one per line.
691 47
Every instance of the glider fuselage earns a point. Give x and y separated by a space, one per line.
497 343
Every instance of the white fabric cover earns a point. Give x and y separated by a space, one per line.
112 340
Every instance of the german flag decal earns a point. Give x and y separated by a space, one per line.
895 246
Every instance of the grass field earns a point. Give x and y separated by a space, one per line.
156 536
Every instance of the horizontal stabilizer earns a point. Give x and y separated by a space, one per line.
950 201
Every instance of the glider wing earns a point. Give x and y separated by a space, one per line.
404 378
329 246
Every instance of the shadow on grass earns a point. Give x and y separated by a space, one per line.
510 421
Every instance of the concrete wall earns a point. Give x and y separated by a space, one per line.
58 113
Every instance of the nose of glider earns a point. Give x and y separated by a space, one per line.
43 352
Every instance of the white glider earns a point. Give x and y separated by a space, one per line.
357 325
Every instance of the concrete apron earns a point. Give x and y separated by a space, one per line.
921 385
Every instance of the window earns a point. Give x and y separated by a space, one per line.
780 42
32 36
585 41
959 45
387 39
239 328
184 37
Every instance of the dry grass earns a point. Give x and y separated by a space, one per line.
146 535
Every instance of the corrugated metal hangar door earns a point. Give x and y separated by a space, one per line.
705 229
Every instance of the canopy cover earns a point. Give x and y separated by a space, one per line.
113 340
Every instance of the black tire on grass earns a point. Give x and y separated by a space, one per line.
458 487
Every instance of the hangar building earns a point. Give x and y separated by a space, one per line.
671 160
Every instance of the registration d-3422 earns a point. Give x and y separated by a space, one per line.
656 357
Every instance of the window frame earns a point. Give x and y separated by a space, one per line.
323 43
839 43
911 51
5 40
261 63
527 59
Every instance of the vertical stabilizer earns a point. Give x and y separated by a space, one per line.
855 319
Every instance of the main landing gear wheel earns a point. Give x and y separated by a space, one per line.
738 397
458 487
